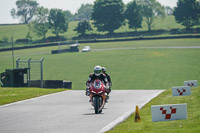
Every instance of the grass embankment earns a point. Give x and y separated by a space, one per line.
20 31
129 68
191 125
9 95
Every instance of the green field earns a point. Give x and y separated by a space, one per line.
132 67
20 31
191 125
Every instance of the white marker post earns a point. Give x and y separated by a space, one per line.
181 91
191 83
169 112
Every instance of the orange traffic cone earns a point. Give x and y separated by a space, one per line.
137 114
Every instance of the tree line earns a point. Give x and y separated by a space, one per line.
107 15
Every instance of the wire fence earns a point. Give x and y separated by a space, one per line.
35 71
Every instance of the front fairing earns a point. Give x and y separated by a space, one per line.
97 88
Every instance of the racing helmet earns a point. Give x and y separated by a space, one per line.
97 70
103 69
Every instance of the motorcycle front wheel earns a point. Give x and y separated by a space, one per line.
97 104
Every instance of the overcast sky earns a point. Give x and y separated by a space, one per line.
71 5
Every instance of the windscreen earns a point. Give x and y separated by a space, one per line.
97 84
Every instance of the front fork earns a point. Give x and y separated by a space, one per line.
103 96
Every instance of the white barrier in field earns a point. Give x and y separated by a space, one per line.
181 91
191 83
169 112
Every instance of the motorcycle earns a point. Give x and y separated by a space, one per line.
97 95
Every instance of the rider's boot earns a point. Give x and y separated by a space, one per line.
107 97
100 111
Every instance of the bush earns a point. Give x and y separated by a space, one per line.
1 41
22 41
55 39
5 39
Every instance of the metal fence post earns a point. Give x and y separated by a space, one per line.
29 72
17 62
41 67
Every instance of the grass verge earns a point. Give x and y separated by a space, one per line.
191 125
9 95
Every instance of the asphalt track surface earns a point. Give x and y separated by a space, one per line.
70 112
109 49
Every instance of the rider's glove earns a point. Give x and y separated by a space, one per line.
106 87
87 93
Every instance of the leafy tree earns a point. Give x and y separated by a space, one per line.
168 10
28 35
26 9
58 21
40 24
69 15
108 15
84 12
150 10
82 27
134 15
187 12
5 39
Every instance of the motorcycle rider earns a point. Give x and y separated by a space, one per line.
108 77
97 74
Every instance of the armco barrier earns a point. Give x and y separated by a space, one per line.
35 46
141 38
96 41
